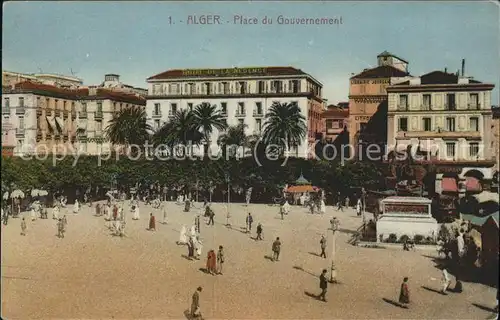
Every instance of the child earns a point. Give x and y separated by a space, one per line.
404 294
23 227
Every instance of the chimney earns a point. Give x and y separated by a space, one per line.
463 67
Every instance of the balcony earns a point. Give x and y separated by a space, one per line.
473 106
57 113
402 107
439 134
223 113
240 113
5 110
258 113
98 115
157 114
38 111
425 107
450 107
82 114
171 113
20 110
73 114
19 132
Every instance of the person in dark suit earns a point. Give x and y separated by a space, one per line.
323 285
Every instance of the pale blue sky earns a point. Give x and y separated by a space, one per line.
136 40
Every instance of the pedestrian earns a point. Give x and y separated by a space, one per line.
322 243
404 294
220 259
23 227
152 222
60 228
323 285
259 232
339 204
211 262
195 304
445 281
358 207
164 208
190 246
249 222
276 249
211 217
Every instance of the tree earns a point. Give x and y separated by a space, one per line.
285 125
181 129
206 118
129 127
232 139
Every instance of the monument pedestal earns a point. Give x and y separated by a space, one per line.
406 216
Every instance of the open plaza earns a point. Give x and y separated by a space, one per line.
92 274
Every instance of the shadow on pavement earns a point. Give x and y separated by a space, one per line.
394 303
311 295
485 308
303 270
432 290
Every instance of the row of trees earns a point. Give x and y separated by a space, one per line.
284 126
266 179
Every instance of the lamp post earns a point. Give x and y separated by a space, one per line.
226 175
333 272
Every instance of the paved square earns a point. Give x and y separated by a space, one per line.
92 274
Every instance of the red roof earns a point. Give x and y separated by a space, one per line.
82 93
190 73
472 184
381 72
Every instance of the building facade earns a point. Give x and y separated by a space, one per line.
368 100
243 95
10 78
495 136
43 119
336 120
448 117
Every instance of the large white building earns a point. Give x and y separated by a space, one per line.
243 95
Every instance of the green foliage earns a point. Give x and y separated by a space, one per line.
393 238
265 179
404 238
419 239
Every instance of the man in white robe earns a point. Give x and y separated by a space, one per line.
183 236
55 212
76 207
198 245
164 209
286 207
322 206
135 211
193 231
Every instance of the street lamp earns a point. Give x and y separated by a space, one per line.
226 175
333 272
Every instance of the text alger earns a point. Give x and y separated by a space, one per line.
203 19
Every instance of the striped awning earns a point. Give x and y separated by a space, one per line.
473 184
51 122
449 185
60 123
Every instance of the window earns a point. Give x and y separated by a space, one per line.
190 88
98 127
175 88
64 104
258 125
84 107
83 147
157 109
190 106
450 124
258 107
427 101
473 101
277 86
208 88
474 124
173 108
157 124
72 105
294 86
261 87
403 102
225 86
241 122
403 124
21 123
156 89
427 124
474 149
362 108
450 149
450 102
223 106
243 87
21 102
7 103
38 105
99 107
241 108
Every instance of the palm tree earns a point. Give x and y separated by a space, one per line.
206 118
232 139
129 127
181 129
285 125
